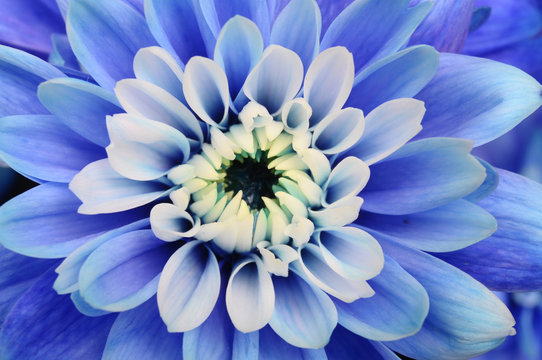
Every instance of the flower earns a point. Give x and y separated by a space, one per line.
271 186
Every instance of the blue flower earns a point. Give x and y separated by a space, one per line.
257 181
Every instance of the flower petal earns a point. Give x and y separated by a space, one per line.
139 97
297 28
388 128
345 180
338 131
206 90
171 223
401 75
250 297
446 228
157 66
20 75
345 344
45 325
62 153
446 26
306 324
159 147
141 334
276 79
462 308
127 279
239 47
394 312
84 307
351 252
189 287
272 347
477 99
108 57
55 230
81 106
511 259
185 39
386 25
328 82
103 190
422 175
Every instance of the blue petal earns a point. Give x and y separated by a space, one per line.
401 75
28 24
239 47
446 26
245 346
61 152
219 12
84 307
68 271
272 347
465 318
213 339
298 28
394 312
477 99
386 25
308 323
510 260
479 17
54 230
189 287
184 39
500 30
62 54
446 228
20 75
43 325
347 345
81 106
17 274
141 334
422 175
108 57
330 10
102 190
488 186
123 272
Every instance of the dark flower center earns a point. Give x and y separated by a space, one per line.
253 178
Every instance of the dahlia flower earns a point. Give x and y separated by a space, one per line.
260 180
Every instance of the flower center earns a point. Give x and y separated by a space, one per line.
253 178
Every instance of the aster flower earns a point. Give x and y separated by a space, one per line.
263 171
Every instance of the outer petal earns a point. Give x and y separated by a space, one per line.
297 28
55 230
394 312
61 152
308 324
20 75
108 57
401 75
421 176
47 326
477 99
465 318
17 274
187 38
250 297
388 128
446 228
275 79
81 106
272 347
510 260
141 334
189 287
447 25
347 345
386 26
103 190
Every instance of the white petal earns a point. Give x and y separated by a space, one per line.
338 131
347 179
170 223
337 214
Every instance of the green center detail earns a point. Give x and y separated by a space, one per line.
253 178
